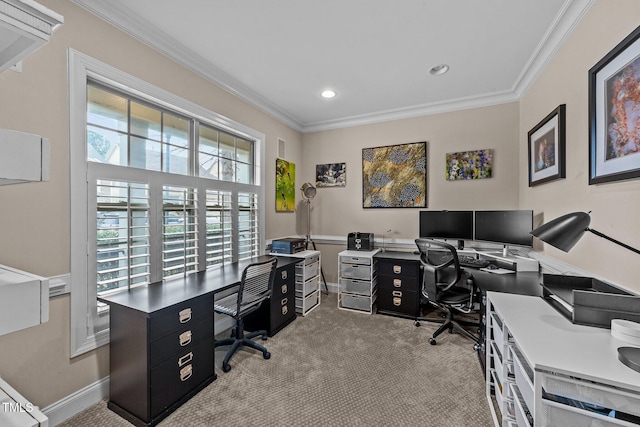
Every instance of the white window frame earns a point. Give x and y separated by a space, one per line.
81 67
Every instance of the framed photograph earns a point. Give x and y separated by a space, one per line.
331 175
547 148
614 113
395 176
285 186
464 165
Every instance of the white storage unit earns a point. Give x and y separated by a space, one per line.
16 411
24 300
357 280
308 274
546 371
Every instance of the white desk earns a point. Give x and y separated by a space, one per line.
574 361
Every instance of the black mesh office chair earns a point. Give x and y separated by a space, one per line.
255 287
446 286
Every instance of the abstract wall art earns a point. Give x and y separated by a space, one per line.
395 176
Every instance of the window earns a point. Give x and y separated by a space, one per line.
171 189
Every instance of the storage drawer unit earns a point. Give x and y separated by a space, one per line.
280 310
399 281
307 281
357 281
151 353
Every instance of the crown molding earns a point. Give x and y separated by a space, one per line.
141 30
566 21
568 18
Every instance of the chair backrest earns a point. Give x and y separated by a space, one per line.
441 268
256 284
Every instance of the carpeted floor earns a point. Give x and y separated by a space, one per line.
338 368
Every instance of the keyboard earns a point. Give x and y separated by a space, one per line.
473 262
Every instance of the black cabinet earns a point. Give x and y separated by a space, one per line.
399 281
280 309
159 359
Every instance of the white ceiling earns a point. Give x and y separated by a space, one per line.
376 54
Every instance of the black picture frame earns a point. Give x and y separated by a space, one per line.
614 125
547 148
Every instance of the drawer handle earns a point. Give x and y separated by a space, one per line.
284 289
284 301
284 274
397 269
185 338
397 283
397 302
396 293
185 359
285 310
185 315
186 372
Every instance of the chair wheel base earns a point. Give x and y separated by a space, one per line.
432 341
226 367
267 355
416 323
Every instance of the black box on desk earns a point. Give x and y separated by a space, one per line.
357 241
289 245
589 301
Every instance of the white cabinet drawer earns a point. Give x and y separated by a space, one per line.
524 377
557 414
591 393
355 271
356 260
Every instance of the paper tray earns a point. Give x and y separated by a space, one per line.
589 301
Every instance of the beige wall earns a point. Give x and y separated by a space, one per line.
338 211
34 222
614 206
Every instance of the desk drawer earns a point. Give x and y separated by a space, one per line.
176 376
399 283
356 260
179 315
399 268
401 302
180 340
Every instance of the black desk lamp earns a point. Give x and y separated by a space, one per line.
563 233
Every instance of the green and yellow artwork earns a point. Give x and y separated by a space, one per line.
285 186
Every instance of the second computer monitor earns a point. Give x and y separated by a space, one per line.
508 227
455 225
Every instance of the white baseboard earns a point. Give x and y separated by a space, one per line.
77 402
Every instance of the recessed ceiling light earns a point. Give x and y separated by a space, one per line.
328 93
439 69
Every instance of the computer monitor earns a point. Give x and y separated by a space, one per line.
456 225
508 227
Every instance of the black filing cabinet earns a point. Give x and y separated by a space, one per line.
399 280
159 359
280 309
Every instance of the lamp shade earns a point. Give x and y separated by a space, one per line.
308 190
565 231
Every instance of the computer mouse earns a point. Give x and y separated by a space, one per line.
492 267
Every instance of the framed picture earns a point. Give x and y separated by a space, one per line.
285 186
477 164
547 148
395 176
614 113
331 175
